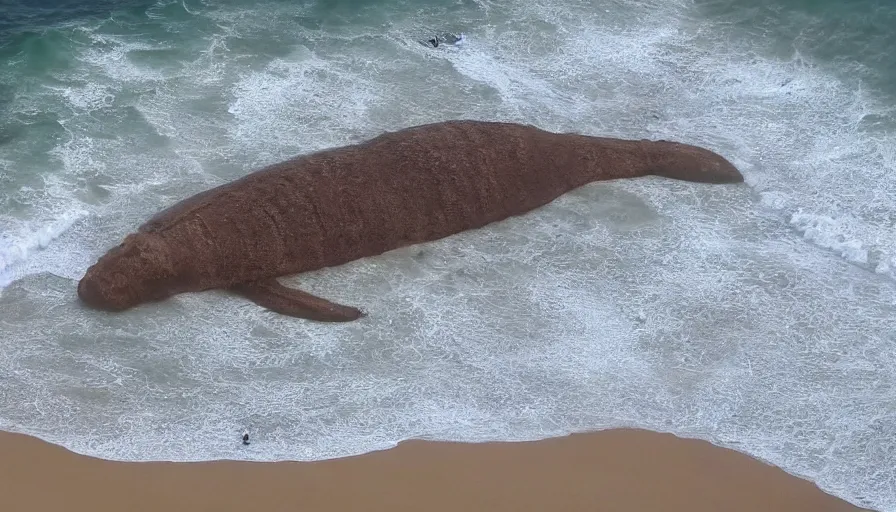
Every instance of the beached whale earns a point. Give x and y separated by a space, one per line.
334 206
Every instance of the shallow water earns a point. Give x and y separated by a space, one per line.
758 316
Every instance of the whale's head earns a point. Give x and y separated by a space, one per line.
141 269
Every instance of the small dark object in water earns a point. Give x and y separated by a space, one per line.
446 38
245 438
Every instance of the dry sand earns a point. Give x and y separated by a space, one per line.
616 470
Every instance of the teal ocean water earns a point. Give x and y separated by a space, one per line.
761 318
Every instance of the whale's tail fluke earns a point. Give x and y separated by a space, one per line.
690 163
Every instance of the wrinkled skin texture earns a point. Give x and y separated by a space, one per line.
328 208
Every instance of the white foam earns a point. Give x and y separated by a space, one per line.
516 85
17 248
299 104
829 233
90 96
108 56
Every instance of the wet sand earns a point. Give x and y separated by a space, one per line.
615 470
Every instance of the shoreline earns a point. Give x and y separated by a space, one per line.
619 469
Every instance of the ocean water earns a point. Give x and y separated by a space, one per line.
760 317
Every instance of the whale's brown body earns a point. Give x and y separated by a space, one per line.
335 206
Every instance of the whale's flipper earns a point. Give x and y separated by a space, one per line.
269 293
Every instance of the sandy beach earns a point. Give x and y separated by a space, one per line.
615 470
